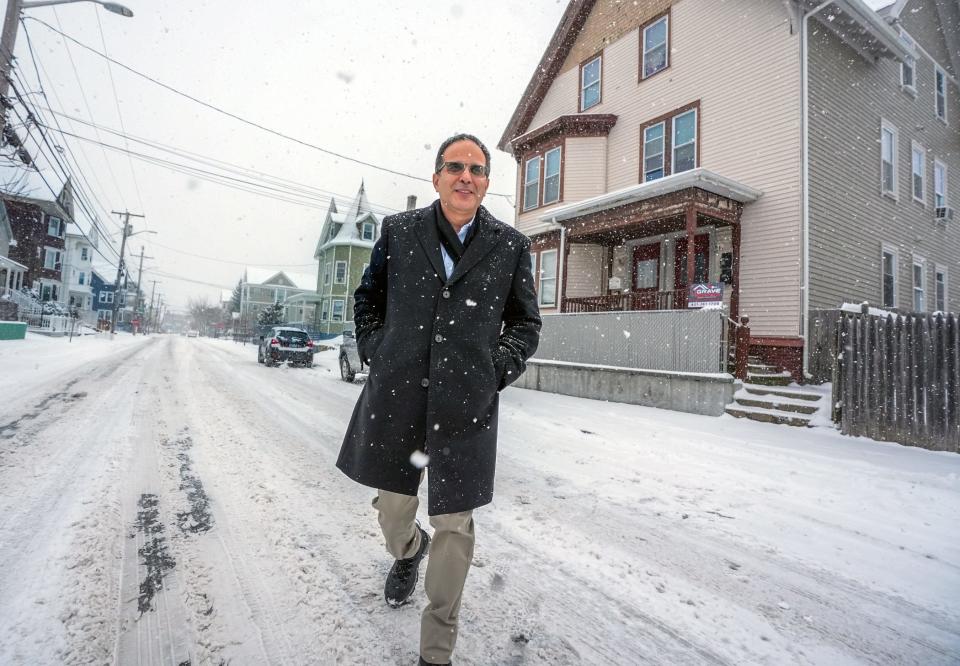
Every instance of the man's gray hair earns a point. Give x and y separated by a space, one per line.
460 137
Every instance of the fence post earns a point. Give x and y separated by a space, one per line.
742 349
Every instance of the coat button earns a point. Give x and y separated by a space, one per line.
438 338
446 293
424 382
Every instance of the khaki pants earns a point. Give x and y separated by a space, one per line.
448 561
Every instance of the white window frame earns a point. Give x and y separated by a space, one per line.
558 175
541 279
324 309
922 288
917 149
663 149
673 144
938 95
645 50
368 226
56 253
81 278
336 272
327 273
942 168
83 254
57 223
598 82
333 309
910 88
533 263
888 127
527 205
886 249
939 270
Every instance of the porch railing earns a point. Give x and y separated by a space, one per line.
628 301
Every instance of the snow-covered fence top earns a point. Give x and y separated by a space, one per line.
678 340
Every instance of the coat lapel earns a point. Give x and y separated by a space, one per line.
430 242
487 235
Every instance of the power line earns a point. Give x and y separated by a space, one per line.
227 261
238 118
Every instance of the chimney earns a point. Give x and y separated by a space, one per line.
411 202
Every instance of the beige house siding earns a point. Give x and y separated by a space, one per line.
718 51
585 270
850 220
920 17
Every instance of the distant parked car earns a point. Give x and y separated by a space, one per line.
192 333
285 344
350 363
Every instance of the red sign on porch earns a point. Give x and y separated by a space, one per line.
705 295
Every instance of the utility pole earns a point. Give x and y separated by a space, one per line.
136 307
153 292
120 266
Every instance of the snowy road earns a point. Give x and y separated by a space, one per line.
168 501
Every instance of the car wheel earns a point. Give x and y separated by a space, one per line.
346 372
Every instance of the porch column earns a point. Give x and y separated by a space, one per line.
691 244
735 276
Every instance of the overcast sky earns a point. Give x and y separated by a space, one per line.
382 82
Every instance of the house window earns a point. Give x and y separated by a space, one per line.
533 263
940 187
551 176
917 170
547 290
55 227
83 254
337 314
335 229
324 309
368 230
888 159
889 262
590 83
51 259
907 67
340 273
653 153
940 93
327 272
685 141
531 183
83 278
919 300
655 45
940 294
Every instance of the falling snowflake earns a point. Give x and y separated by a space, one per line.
626 334
471 303
419 459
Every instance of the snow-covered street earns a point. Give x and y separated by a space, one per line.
167 500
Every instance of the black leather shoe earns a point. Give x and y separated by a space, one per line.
403 576
428 663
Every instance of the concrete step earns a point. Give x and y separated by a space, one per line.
797 394
782 406
769 380
768 416
763 368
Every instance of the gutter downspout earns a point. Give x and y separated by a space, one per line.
805 185
562 291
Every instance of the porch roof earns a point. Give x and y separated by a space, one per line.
7 262
703 179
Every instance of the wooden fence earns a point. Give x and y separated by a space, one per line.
898 378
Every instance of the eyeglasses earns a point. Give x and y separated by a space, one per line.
456 168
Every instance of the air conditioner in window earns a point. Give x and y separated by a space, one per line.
943 213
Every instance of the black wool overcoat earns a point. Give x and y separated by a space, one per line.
440 351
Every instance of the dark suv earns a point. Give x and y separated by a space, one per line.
285 343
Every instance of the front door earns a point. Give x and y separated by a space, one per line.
646 276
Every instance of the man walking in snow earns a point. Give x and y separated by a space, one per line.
446 317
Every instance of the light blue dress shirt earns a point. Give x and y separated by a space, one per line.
447 260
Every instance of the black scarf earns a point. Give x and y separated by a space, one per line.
448 237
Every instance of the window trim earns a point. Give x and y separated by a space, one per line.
946 191
524 183
336 268
663 150
914 149
333 310
910 89
555 278
696 137
543 176
58 258
324 309
892 251
327 272
667 119
363 231
59 233
599 81
938 71
938 270
540 155
643 38
922 263
889 127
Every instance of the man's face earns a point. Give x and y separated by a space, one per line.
461 193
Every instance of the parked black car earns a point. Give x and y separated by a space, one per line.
285 343
350 363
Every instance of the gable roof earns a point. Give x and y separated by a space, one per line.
259 275
349 232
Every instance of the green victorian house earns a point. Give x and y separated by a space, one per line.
343 253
